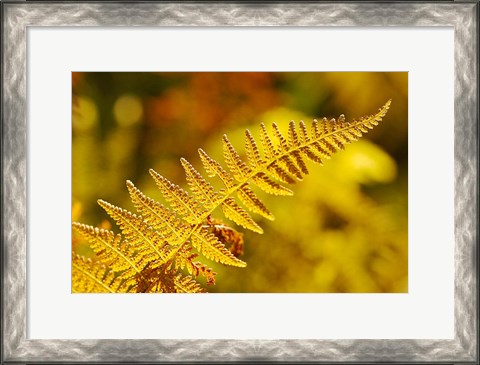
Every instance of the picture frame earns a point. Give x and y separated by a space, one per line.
18 16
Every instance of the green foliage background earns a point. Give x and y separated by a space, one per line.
346 227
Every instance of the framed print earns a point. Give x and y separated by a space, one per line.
191 125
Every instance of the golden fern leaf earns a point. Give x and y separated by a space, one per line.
283 145
252 202
201 189
284 161
253 155
161 243
287 163
186 284
166 280
312 154
179 200
91 277
159 217
149 246
292 134
303 137
239 215
114 252
213 168
267 143
208 244
279 172
184 259
299 163
293 141
229 236
251 148
238 168
269 186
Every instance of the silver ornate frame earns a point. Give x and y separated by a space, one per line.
18 15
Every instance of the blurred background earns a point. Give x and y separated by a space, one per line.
346 227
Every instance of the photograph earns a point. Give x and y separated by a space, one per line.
239 182
309 171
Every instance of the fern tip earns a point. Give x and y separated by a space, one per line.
154 174
104 204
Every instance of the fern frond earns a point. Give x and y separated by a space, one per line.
179 200
303 135
289 167
186 284
213 168
252 202
91 277
229 236
267 143
279 172
283 142
285 161
315 130
238 168
312 154
323 149
149 245
269 186
208 244
292 134
184 259
109 247
239 215
299 162
158 242
159 217
201 189
251 148
166 280
157 280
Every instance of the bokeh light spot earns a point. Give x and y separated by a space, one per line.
85 114
128 110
